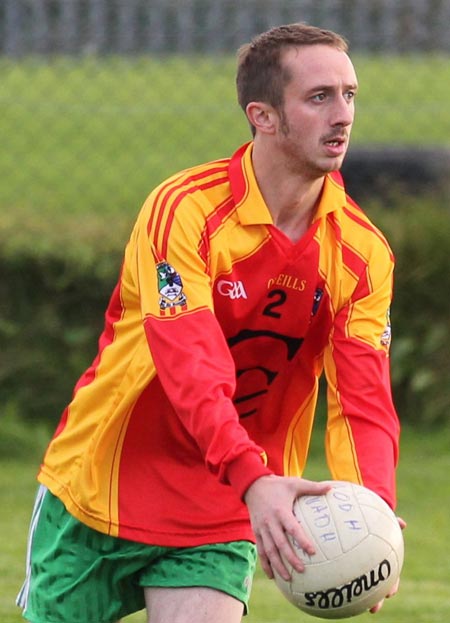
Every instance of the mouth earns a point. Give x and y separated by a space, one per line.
336 145
335 139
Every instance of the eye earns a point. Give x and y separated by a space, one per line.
349 95
318 97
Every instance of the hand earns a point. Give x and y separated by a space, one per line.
270 501
394 589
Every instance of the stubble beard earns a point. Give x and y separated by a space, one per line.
298 162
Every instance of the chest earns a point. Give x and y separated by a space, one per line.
274 286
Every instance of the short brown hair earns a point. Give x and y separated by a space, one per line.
260 74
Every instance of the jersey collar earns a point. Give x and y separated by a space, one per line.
250 205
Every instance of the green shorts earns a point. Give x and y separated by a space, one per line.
78 575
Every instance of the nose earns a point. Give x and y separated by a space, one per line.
343 112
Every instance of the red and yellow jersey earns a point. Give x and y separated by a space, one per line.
207 371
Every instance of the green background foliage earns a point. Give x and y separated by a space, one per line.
94 135
419 233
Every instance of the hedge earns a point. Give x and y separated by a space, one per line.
419 234
57 279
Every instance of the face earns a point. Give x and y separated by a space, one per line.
313 126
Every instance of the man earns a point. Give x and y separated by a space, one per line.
186 439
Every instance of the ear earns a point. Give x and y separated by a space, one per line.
262 117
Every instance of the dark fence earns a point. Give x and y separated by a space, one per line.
189 26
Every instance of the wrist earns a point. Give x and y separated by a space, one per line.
244 470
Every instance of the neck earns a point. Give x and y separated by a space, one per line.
291 197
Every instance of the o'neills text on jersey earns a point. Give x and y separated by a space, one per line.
287 281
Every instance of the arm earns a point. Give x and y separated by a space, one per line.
186 342
363 428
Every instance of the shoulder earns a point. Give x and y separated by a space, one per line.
200 178
187 204
361 233
193 191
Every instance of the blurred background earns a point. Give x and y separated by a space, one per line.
102 99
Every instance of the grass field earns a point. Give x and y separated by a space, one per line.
424 496
96 134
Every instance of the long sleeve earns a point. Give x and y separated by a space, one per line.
363 428
190 353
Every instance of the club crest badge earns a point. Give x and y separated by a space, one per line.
170 287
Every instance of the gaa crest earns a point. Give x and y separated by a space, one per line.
170 286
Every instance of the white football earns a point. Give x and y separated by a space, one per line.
359 552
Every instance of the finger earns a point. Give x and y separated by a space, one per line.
391 593
294 544
263 559
281 556
299 541
291 524
402 523
377 607
394 589
291 555
312 487
277 564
